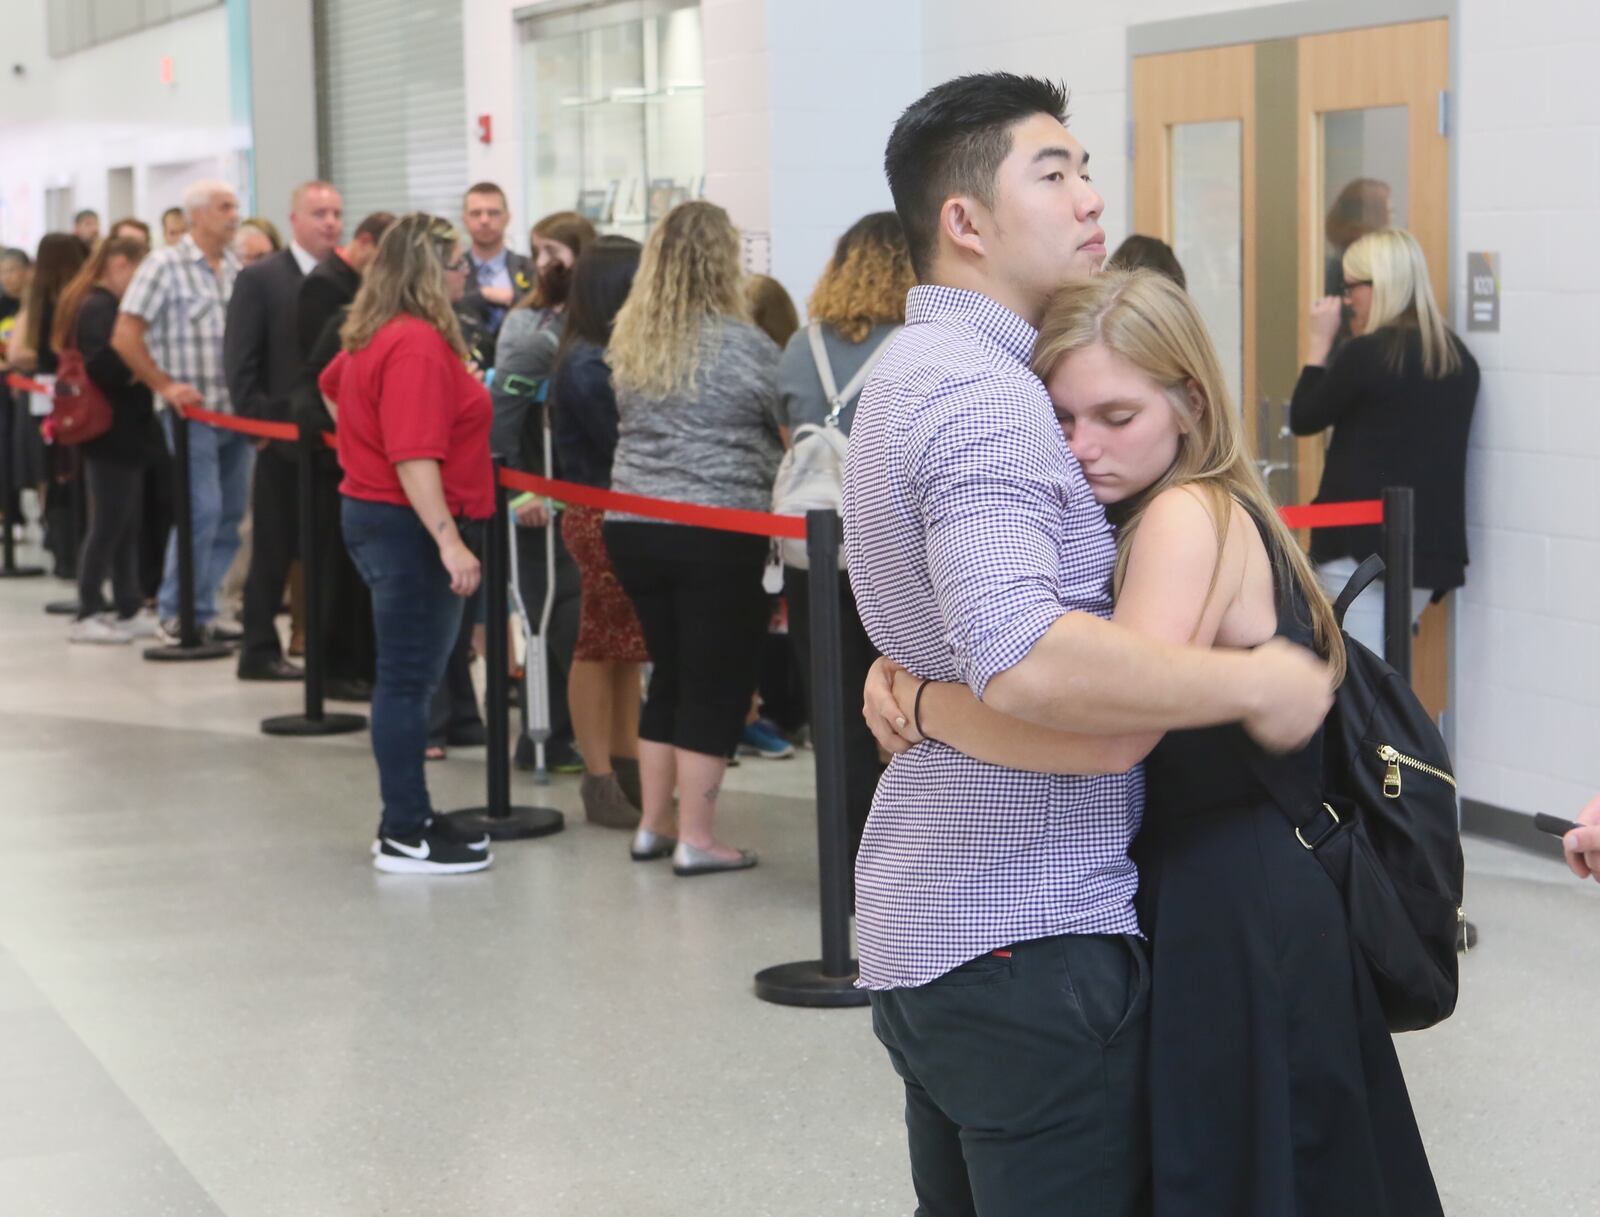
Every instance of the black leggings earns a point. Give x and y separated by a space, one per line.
111 546
704 613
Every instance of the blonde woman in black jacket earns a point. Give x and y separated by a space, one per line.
1399 397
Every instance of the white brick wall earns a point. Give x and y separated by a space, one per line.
1528 654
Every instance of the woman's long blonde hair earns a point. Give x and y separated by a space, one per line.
1402 297
689 271
407 276
1153 324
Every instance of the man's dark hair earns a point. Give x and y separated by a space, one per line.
16 255
374 226
1148 253
132 222
172 211
88 213
952 141
486 188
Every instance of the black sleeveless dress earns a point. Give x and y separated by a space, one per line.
1275 1090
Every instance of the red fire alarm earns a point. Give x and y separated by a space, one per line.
167 74
485 129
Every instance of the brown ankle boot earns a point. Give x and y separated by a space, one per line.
605 804
627 770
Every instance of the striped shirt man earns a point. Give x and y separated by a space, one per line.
184 305
969 529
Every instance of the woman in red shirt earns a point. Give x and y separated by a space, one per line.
414 446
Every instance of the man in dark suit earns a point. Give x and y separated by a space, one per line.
498 277
349 645
262 361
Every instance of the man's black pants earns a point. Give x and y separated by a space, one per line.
1025 1080
274 545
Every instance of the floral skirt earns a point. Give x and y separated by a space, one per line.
608 628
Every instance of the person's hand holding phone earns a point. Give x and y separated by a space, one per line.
1583 843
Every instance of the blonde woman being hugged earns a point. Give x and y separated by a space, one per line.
414 447
1399 397
1274 1085
697 407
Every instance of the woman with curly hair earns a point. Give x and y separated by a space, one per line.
697 412
859 303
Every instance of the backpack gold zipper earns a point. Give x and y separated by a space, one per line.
1391 775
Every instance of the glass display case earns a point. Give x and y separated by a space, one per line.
614 112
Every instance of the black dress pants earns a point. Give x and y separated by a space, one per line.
1025 1077
274 545
349 644
862 768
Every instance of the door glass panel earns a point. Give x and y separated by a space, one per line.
1208 233
1364 185
1365 180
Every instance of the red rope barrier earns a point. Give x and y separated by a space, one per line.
244 426
1333 515
18 381
727 519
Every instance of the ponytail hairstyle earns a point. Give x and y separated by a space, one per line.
90 273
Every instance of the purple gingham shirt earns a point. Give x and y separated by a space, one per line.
969 529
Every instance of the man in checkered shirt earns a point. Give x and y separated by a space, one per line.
994 907
169 333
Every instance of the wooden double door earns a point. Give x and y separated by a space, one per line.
1260 163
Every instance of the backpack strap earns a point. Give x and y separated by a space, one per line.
819 356
839 398
1313 819
1368 572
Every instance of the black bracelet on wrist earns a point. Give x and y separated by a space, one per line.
916 711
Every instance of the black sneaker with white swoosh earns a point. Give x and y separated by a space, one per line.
432 852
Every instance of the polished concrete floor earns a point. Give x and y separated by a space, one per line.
210 1004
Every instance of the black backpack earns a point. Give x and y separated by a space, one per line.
1385 829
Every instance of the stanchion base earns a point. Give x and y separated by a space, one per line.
805 984
177 652
62 608
522 824
299 724
22 572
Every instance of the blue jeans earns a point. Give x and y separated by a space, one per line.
415 616
219 490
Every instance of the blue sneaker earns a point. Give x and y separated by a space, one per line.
761 739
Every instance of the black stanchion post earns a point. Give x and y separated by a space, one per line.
829 981
189 644
498 817
314 721
9 497
1398 539
77 521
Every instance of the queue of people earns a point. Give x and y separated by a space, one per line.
661 370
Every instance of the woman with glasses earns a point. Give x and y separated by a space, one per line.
414 446
1399 397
